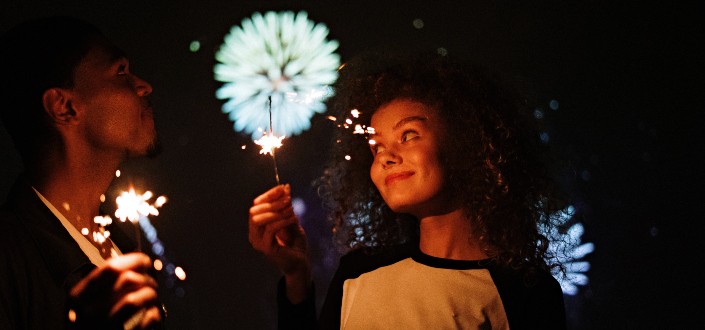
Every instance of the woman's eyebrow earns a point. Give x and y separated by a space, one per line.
408 120
401 123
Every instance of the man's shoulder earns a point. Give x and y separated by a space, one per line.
13 233
10 223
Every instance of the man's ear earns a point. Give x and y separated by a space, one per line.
57 104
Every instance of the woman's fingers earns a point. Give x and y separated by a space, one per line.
268 236
272 194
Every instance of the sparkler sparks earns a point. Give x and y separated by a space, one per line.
269 142
131 205
137 208
360 129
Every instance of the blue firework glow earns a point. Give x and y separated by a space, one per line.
284 56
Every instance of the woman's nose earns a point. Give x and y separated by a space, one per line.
389 157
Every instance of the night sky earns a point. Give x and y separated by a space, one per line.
627 77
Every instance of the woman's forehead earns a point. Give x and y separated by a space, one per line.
399 111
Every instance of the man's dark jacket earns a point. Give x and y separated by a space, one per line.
39 263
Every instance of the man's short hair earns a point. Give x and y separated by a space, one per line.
34 56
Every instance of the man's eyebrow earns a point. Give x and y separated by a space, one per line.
117 54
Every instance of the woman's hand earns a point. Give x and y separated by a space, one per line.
275 231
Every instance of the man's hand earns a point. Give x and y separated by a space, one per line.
113 294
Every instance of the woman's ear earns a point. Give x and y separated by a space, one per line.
57 104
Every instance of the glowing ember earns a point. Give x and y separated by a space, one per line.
99 237
158 265
103 220
84 231
117 173
268 142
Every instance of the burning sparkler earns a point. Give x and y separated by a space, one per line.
270 141
137 208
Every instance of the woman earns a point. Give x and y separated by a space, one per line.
441 206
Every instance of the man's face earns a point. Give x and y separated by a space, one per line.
115 107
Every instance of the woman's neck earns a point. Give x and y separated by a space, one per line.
449 236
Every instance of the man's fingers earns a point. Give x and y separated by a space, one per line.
135 261
133 302
151 317
103 278
130 281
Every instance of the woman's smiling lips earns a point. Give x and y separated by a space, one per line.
397 176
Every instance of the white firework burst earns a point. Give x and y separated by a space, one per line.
567 248
284 56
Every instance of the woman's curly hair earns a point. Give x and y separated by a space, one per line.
491 153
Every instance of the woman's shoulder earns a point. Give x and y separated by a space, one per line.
365 259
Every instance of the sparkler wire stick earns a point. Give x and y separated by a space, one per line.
274 158
138 235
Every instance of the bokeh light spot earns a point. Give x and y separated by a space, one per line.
194 46
418 23
180 273
553 104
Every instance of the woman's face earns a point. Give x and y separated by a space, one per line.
406 168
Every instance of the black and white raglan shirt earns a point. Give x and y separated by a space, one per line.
402 288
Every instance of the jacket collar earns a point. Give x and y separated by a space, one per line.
63 257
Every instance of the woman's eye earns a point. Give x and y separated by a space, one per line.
376 148
408 135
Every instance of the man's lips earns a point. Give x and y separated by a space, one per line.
397 176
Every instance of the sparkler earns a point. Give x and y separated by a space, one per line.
137 208
269 142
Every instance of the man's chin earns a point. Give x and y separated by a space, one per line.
150 151
155 148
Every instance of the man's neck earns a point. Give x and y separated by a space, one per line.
74 185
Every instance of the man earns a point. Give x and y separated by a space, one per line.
75 112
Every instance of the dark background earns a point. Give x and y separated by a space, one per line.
628 78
